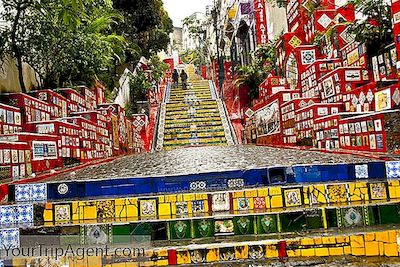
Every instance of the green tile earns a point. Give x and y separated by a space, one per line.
243 225
267 224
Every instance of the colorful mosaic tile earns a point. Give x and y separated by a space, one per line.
259 203
181 208
96 234
105 210
148 207
198 256
337 193
352 216
243 203
198 206
378 191
293 197
227 254
220 202
39 192
256 252
62 213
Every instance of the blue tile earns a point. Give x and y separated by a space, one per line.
393 169
23 192
377 170
9 238
7 215
24 213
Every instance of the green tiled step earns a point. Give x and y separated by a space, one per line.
198 111
199 129
192 121
171 117
186 136
180 125
198 142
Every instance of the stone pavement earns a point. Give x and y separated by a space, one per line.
204 159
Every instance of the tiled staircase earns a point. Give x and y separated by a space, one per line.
192 117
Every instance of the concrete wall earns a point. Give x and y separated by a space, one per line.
9 77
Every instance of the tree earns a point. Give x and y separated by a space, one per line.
375 29
64 41
147 26
254 74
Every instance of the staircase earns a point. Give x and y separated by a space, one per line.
192 117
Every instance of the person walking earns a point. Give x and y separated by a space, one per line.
184 78
175 78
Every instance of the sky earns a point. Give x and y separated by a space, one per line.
180 9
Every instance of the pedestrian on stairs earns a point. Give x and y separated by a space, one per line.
184 78
175 78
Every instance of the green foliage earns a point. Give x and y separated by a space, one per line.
376 30
158 68
254 74
138 85
65 41
147 26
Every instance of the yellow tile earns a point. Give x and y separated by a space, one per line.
132 211
321 252
90 212
321 199
251 203
308 252
354 198
391 250
237 194
371 248
251 193
341 239
271 251
189 197
274 191
361 185
183 257
392 192
161 199
294 253
120 212
48 215
328 240
336 251
263 192
242 252
357 251
120 201
394 183
369 237
206 208
162 263
382 236
212 255
381 249
94 261
307 241
397 191
170 198
356 241
318 241
164 209
179 198
162 253
392 236
276 202
201 196
77 211
347 250
352 188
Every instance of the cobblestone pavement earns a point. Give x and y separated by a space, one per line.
204 159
